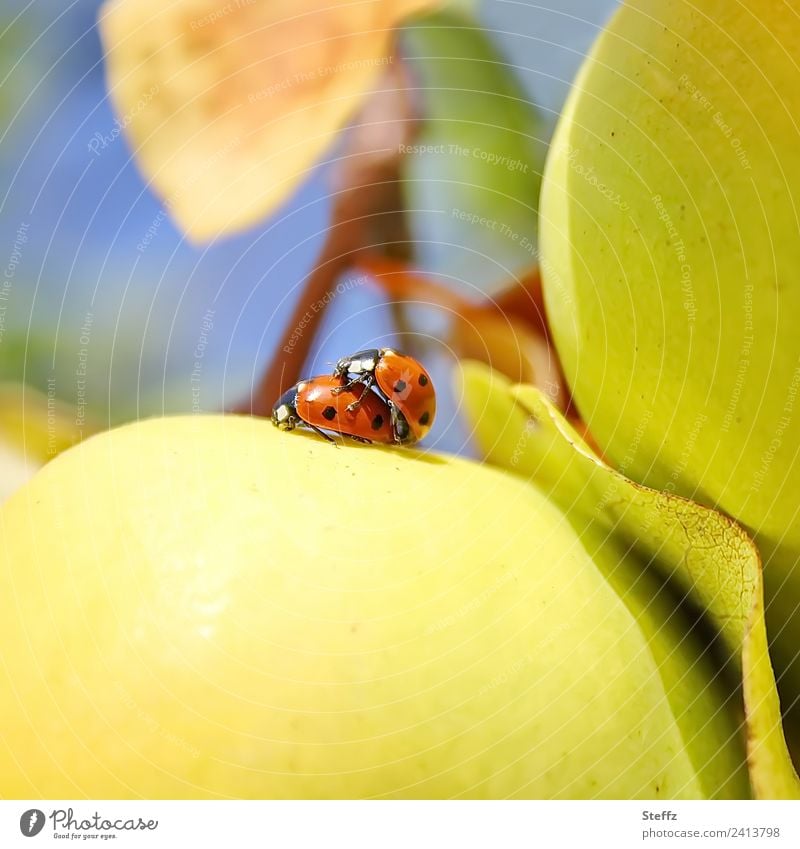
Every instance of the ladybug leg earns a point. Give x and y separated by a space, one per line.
361 439
367 380
322 434
402 434
349 385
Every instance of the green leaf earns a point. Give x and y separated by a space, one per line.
474 171
20 72
705 553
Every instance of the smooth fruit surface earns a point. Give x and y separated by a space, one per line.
207 607
671 259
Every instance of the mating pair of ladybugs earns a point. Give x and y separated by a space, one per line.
379 395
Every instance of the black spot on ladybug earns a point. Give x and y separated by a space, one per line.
377 422
423 381
425 418
400 386
329 413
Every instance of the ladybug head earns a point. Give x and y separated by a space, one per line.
284 413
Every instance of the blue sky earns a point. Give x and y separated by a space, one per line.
84 212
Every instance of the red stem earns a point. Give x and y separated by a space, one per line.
367 215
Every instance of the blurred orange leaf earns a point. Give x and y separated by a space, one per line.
228 104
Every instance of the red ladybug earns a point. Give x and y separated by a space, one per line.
401 380
323 403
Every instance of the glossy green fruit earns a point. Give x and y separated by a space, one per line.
207 607
671 256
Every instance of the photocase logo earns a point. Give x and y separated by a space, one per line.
31 822
65 824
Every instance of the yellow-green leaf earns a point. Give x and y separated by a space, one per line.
708 555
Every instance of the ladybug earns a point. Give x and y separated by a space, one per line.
323 403
403 383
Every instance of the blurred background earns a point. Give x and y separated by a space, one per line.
104 301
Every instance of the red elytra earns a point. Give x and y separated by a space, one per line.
314 402
402 380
